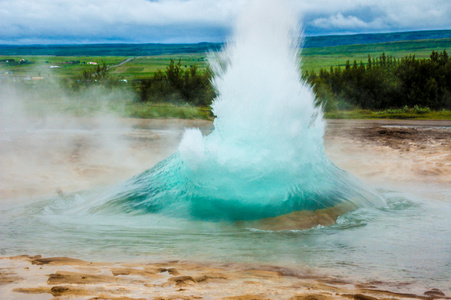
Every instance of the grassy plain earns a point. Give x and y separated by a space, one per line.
317 58
144 66
40 66
136 68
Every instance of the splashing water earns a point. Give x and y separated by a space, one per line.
265 156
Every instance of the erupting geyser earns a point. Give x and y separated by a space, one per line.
265 157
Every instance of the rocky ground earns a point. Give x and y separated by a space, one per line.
392 151
25 277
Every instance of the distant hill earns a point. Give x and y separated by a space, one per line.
373 38
161 49
108 49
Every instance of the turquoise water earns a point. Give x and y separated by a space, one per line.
171 188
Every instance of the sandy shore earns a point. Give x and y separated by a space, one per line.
397 154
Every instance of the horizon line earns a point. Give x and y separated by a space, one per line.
213 43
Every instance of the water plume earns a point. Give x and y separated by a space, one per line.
265 157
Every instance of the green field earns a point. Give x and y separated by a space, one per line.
317 58
40 66
144 66
137 68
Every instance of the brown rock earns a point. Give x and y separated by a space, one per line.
38 290
182 280
262 273
364 297
58 290
115 298
202 278
24 257
131 271
178 297
312 297
37 260
435 293
78 278
172 271
245 297
7 278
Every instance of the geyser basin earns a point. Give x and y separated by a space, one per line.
265 157
216 193
266 152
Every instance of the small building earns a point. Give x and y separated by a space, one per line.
92 63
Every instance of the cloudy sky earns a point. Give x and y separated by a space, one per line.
187 21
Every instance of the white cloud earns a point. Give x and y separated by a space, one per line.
199 20
390 15
118 11
339 21
109 18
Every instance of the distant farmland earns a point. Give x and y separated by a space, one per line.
319 52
